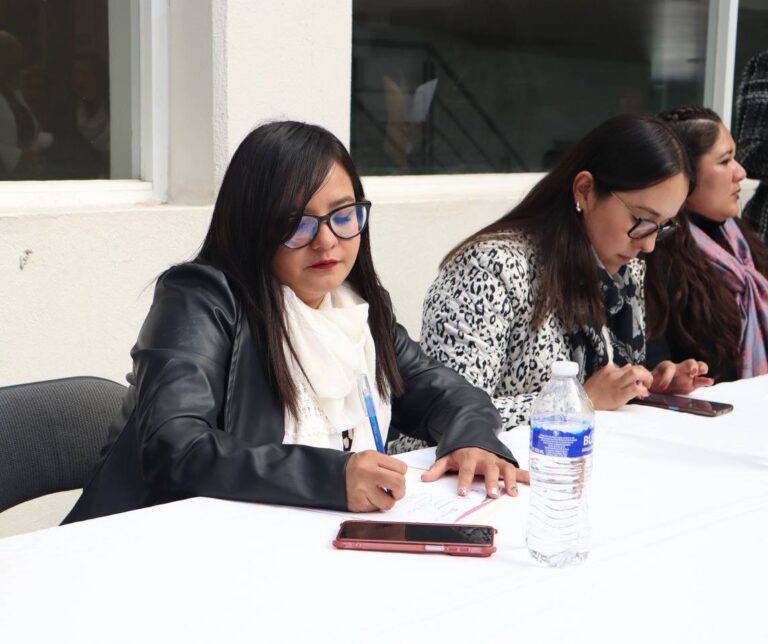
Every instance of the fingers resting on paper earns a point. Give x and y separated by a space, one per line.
473 461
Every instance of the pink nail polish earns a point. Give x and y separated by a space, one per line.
462 490
494 491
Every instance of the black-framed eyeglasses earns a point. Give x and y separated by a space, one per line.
645 227
346 222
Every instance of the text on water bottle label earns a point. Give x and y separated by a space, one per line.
552 442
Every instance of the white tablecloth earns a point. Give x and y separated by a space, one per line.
743 432
679 508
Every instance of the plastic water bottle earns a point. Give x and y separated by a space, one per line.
562 425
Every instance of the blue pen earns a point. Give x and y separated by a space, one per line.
365 397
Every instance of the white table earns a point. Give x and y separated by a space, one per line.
743 432
680 528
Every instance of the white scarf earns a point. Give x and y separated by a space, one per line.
334 345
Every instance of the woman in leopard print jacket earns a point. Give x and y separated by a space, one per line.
559 277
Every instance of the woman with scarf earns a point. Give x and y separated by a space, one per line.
708 285
558 277
247 368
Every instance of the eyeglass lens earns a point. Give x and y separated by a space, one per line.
346 223
645 228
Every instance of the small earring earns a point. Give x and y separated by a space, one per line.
578 207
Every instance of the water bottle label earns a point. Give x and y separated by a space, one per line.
552 442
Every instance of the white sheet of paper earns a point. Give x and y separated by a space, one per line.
421 459
422 100
437 502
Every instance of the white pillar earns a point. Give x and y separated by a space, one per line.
190 159
721 57
282 60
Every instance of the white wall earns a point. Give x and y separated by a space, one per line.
74 286
283 60
191 130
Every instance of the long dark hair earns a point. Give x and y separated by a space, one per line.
698 314
627 152
273 174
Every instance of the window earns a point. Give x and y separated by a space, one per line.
459 86
65 90
134 46
752 37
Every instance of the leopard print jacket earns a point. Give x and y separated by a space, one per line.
477 320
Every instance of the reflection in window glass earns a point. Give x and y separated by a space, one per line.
460 86
55 112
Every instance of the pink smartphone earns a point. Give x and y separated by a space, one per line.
436 538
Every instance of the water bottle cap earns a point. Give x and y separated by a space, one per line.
565 368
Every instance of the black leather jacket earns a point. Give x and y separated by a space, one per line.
202 419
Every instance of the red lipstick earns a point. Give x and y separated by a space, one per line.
325 264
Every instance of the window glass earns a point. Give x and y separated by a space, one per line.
751 38
58 118
461 86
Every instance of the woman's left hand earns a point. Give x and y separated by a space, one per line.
680 378
471 461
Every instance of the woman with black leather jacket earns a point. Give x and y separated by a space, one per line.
246 370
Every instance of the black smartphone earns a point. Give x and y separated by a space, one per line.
684 404
399 536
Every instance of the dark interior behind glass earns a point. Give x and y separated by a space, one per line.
751 38
54 90
461 86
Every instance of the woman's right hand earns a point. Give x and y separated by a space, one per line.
612 386
368 474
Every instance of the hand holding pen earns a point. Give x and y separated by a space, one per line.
374 481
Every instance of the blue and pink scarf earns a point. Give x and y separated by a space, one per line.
734 267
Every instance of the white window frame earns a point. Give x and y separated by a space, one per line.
152 186
721 57
442 188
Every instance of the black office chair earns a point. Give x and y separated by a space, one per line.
51 434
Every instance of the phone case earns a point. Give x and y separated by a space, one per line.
422 547
409 546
